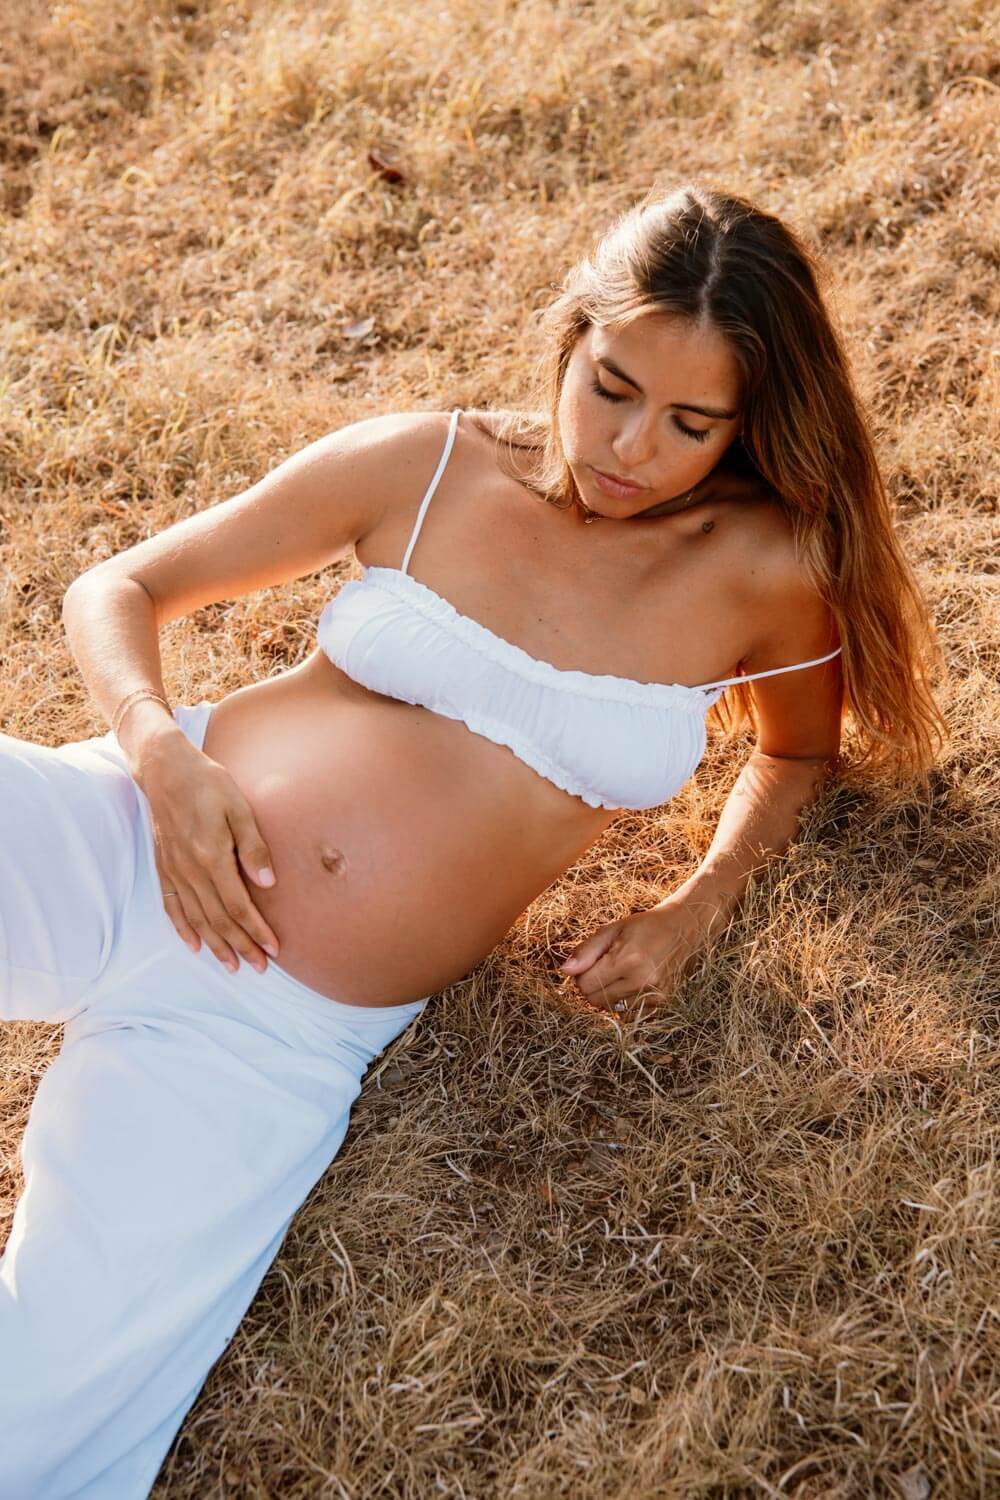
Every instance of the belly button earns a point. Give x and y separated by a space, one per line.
333 861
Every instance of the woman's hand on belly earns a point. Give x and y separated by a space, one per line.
635 963
204 830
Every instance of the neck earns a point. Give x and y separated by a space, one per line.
664 508
670 507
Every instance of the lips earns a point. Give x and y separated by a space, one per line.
620 479
615 484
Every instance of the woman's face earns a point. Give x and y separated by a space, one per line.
626 409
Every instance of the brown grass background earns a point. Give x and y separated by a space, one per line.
749 1247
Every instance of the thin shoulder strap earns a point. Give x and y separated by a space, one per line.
431 488
771 672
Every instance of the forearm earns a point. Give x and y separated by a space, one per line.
112 633
759 819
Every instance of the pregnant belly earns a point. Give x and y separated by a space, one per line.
404 846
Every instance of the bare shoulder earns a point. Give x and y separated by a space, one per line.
485 423
495 424
766 540
401 436
506 438
792 621
389 457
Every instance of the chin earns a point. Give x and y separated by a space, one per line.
580 474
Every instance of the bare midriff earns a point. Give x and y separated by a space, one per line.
404 845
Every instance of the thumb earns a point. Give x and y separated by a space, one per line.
589 951
253 853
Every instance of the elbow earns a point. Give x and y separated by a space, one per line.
806 738
76 585
799 777
102 576
69 595
822 760
72 596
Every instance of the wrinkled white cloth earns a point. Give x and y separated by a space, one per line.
186 1118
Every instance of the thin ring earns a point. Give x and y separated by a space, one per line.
169 893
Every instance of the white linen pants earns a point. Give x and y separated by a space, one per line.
170 1142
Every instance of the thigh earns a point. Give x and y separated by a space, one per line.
168 1146
68 846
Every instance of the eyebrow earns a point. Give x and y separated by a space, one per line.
703 411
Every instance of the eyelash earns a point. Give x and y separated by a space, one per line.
699 437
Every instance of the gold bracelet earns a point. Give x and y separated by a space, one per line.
129 700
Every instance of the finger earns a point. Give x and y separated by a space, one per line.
238 903
251 850
609 977
229 927
175 911
606 987
638 1007
615 988
195 900
628 1008
172 904
588 952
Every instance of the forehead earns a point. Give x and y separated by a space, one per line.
671 357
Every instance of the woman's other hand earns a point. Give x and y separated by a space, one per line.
204 831
633 964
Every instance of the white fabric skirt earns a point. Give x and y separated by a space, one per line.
187 1116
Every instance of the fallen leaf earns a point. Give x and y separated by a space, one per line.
384 168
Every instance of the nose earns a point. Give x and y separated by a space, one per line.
635 443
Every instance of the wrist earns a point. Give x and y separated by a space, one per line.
706 899
143 731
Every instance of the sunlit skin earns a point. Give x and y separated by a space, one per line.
635 429
382 818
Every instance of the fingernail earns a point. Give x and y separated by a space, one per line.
270 948
232 967
266 877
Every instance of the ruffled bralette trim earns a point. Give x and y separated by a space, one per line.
483 640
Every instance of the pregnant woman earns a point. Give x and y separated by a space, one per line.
234 907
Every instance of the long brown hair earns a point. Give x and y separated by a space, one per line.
706 255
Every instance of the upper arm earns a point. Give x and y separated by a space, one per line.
798 713
303 515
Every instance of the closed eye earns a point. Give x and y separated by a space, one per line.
691 432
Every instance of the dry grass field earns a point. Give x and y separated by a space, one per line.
748 1247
